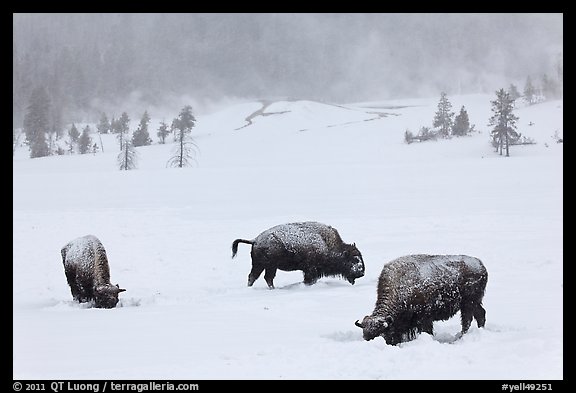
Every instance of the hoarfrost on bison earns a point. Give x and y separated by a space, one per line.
88 273
312 247
416 290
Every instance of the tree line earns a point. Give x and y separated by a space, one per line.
446 124
504 132
42 138
93 61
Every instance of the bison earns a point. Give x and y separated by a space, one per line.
312 247
88 273
416 290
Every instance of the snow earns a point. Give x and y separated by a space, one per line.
78 251
187 312
294 237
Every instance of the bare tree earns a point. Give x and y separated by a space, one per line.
128 157
186 147
163 132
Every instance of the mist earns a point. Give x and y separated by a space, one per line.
113 62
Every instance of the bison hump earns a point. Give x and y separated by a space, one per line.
294 237
82 251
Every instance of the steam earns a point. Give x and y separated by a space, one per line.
160 62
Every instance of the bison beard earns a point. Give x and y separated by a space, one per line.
87 272
416 290
314 248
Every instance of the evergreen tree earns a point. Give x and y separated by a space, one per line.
461 123
104 125
16 135
37 123
504 122
559 67
113 125
85 142
141 137
513 91
122 127
408 136
549 88
529 91
186 147
128 157
444 118
73 134
163 132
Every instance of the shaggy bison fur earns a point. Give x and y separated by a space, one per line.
312 247
88 274
416 290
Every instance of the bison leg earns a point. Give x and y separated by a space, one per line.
466 315
393 339
428 327
310 276
254 274
74 287
269 276
480 315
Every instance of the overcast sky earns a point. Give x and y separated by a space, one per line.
332 57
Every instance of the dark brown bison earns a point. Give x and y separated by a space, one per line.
88 273
314 248
416 290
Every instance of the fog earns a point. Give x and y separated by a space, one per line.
100 62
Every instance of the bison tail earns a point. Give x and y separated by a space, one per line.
64 251
235 245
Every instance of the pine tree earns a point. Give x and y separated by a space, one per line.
141 137
113 125
103 126
504 122
183 125
559 68
163 132
85 142
461 123
443 118
408 136
73 134
122 127
549 88
529 91
513 91
16 136
37 123
128 157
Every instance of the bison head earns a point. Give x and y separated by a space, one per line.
106 295
354 263
374 326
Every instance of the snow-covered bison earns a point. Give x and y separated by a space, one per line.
88 273
416 290
314 248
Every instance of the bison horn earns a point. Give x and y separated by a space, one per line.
121 290
357 323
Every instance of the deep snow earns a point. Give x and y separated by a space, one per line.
187 313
